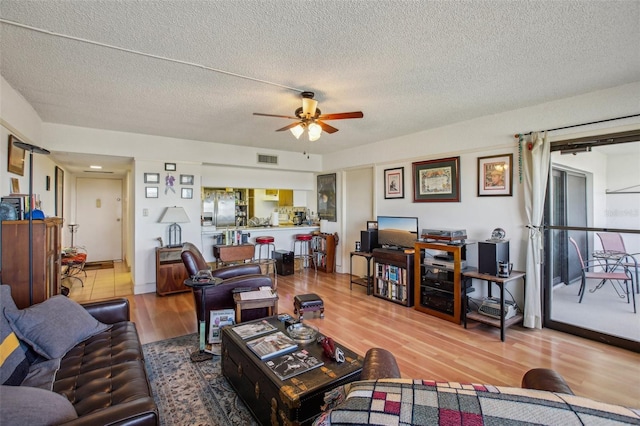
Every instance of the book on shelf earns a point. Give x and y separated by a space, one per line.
253 329
271 345
217 320
289 365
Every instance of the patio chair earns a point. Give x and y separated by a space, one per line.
603 276
613 248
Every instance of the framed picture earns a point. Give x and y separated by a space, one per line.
187 193
15 162
171 167
372 224
59 193
186 180
152 178
436 180
327 197
15 186
495 175
394 183
151 192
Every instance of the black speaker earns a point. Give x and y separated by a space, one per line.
284 262
368 240
490 253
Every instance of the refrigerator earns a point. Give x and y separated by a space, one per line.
219 207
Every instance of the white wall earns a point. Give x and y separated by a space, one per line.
18 118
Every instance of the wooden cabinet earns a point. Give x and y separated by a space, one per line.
323 247
393 276
438 284
170 271
285 198
46 259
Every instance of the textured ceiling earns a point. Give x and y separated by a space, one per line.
408 65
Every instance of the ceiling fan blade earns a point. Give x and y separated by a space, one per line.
327 128
341 115
274 115
290 126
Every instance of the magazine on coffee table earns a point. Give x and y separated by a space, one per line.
289 365
271 345
253 329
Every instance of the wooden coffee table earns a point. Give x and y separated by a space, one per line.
295 401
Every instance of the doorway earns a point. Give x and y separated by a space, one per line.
358 210
99 216
583 200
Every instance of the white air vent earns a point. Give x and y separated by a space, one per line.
98 171
267 159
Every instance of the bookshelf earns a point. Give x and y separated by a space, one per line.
323 247
393 280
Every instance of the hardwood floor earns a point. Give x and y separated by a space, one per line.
425 346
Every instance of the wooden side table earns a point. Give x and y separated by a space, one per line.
500 282
253 303
233 253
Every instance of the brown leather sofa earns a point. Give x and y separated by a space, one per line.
221 296
381 364
104 376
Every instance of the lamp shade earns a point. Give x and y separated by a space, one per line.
314 132
297 131
174 215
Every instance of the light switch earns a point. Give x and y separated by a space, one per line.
98 203
145 212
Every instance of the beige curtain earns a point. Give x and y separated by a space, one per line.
535 162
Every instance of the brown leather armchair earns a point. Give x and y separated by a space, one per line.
221 296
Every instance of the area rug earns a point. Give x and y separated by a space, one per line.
189 393
107 264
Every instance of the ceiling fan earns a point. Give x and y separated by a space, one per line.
311 118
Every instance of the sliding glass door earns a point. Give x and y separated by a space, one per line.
592 193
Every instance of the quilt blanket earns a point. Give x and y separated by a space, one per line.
422 402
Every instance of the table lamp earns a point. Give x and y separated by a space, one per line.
174 215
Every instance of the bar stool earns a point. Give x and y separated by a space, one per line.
267 242
302 250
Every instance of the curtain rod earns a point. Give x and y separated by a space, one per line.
579 125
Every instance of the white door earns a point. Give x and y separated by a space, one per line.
99 216
359 210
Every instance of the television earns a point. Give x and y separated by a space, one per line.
397 232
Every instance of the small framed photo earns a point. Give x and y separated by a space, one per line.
170 167
394 183
151 192
495 175
152 178
187 193
186 179
372 224
436 180
15 186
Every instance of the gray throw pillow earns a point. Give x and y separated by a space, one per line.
54 326
23 405
14 364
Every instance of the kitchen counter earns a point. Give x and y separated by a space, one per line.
283 236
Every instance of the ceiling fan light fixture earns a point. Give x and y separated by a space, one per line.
309 107
297 131
314 132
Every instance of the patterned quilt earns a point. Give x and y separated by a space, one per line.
422 402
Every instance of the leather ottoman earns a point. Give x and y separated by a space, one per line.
309 303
